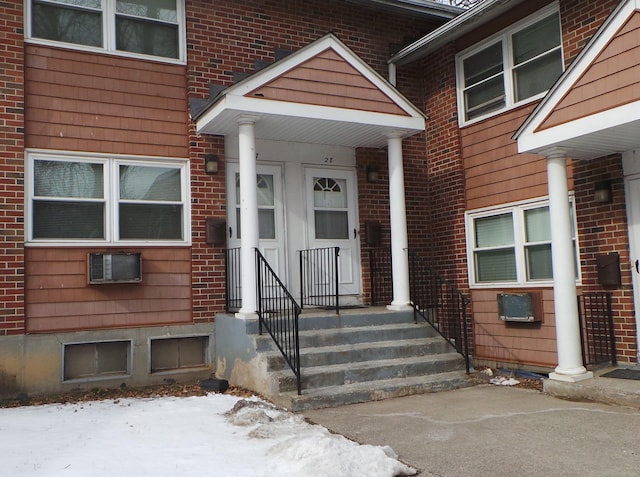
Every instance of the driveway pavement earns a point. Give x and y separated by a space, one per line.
496 431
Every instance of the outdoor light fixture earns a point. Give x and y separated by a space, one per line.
211 163
602 192
372 174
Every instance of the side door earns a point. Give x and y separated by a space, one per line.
332 221
270 214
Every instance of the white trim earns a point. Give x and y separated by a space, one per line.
505 38
110 163
527 136
109 37
517 210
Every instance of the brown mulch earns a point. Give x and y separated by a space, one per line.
101 394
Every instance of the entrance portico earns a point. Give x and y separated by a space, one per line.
320 95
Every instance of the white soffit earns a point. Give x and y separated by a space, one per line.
607 132
301 122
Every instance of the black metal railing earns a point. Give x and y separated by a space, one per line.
319 280
440 303
232 267
279 313
380 275
596 328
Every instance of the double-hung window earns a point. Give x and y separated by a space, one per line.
512 245
518 65
139 27
105 199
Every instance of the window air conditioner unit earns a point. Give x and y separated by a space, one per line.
520 307
115 268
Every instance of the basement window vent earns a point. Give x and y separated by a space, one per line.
96 360
115 268
169 354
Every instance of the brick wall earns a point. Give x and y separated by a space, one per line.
445 206
580 20
602 229
229 40
12 170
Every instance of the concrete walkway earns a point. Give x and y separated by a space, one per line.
496 431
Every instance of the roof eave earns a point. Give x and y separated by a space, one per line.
452 30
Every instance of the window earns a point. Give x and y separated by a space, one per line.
266 206
512 245
145 27
107 200
178 353
330 208
519 65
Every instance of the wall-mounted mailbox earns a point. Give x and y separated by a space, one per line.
373 231
520 307
216 231
609 269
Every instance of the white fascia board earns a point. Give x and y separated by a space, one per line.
576 70
259 106
579 127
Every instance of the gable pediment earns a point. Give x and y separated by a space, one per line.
594 108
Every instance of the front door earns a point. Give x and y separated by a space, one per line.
270 215
633 209
332 221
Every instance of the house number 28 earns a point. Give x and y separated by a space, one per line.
328 160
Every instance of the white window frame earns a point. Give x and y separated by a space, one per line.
111 199
517 209
109 34
505 37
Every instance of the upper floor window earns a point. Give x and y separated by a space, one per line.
518 65
145 27
80 199
511 245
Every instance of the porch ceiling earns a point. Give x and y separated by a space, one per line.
295 122
610 140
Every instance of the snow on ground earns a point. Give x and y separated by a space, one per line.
214 435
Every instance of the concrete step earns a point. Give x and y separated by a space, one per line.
333 396
353 353
369 371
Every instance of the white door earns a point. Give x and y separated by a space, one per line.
270 215
332 221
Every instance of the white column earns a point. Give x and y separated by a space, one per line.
570 366
248 217
399 241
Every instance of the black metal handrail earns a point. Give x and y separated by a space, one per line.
597 332
440 303
232 267
279 313
319 280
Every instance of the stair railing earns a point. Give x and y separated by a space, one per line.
279 314
319 280
440 303
233 296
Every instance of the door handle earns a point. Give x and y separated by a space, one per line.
355 233
637 266
230 232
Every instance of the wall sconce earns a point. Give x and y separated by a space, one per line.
372 174
602 193
211 163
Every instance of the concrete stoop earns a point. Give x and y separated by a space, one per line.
357 356
620 392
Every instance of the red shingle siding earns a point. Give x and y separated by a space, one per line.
81 101
60 299
12 170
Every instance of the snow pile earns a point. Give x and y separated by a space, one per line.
213 435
